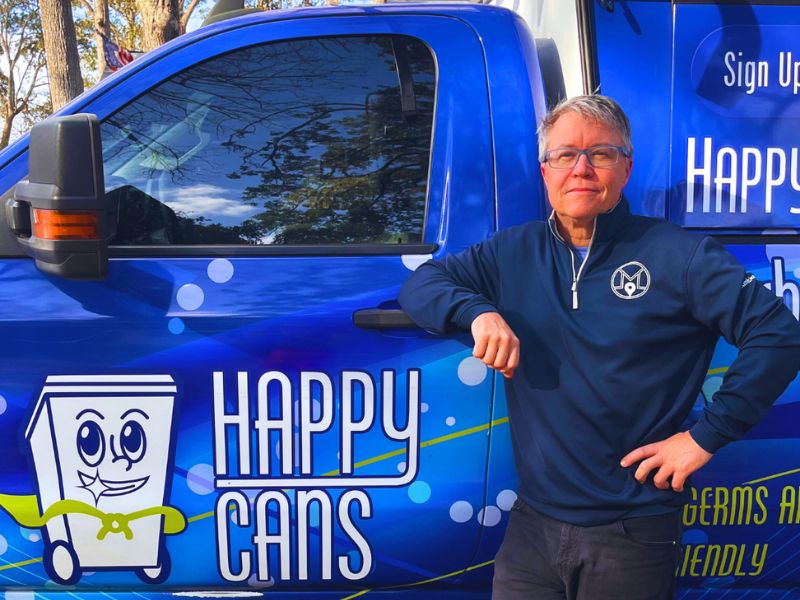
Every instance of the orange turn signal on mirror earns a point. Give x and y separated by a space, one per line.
62 225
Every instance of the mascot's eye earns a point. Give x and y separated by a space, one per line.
132 441
91 443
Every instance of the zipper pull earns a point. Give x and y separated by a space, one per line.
574 295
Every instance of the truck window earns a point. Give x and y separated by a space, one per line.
310 141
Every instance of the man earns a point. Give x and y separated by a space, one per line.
604 324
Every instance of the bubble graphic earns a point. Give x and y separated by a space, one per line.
489 516
710 387
3 405
424 407
190 296
176 326
220 270
3 545
419 492
316 411
19 596
401 467
471 371
413 261
790 253
506 499
461 511
254 582
694 537
31 535
450 421
200 479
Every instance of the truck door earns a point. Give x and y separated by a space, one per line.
276 184
712 89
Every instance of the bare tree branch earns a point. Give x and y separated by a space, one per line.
187 13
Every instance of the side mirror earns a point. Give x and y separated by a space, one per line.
60 214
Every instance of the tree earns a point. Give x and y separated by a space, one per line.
123 22
160 22
102 29
61 51
22 69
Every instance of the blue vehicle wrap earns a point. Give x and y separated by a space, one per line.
713 113
215 417
211 418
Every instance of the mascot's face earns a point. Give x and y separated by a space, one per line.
111 446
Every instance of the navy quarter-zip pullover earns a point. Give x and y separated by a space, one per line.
613 351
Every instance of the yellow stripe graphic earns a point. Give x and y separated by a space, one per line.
20 564
716 371
394 453
423 582
368 461
775 476
426 444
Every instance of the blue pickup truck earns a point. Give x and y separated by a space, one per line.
206 249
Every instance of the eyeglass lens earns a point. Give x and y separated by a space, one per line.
598 156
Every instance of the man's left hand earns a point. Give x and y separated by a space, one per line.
677 457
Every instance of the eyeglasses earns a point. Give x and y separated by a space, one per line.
601 156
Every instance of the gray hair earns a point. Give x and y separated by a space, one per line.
596 108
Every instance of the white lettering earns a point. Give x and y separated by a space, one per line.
730 79
290 461
693 171
409 433
279 538
794 171
748 181
241 516
748 74
788 291
306 500
789 72
239 420
774 179
264 423
351 425
721 180
271 523
309 426
363 501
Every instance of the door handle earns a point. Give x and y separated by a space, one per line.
382 318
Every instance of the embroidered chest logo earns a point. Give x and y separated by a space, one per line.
630 281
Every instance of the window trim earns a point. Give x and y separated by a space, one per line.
180 251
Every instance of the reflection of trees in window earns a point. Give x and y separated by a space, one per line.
287 143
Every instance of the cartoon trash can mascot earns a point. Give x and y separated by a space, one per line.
102 448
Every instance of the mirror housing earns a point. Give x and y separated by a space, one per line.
60 214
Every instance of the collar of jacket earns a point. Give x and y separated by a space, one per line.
607 225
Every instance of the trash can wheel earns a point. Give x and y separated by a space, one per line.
160 572
61 563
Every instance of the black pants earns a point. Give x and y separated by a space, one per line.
545 559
